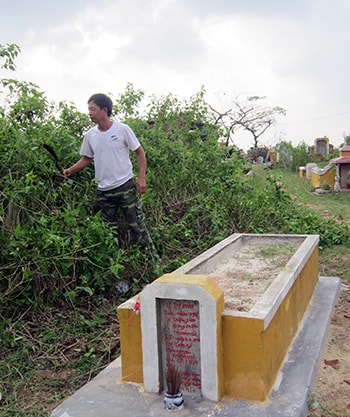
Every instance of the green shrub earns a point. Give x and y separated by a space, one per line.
53 248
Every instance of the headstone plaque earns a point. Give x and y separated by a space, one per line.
179 342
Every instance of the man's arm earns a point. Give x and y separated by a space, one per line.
141 160
78 166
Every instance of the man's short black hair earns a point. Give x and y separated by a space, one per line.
102 101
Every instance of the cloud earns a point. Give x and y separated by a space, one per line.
22 17
294 53
172 41
251 7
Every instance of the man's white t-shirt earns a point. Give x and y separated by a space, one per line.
110 151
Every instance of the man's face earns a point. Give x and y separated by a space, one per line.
96 113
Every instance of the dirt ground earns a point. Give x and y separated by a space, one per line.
331 393
250 270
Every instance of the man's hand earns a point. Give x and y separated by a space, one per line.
78 166
141 185
141 160
65 173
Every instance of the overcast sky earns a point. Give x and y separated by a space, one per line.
296 53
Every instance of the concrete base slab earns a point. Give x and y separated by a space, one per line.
104 397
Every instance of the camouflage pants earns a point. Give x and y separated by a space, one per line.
125 198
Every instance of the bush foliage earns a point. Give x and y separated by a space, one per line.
53 248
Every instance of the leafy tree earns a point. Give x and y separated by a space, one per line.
9 53
127 103
292 157
347 139
301 156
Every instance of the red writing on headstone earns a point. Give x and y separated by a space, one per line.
181 341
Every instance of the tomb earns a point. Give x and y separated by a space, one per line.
224 346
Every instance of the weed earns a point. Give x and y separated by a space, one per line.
274 251
61 264
56 351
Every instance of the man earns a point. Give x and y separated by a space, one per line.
108 144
